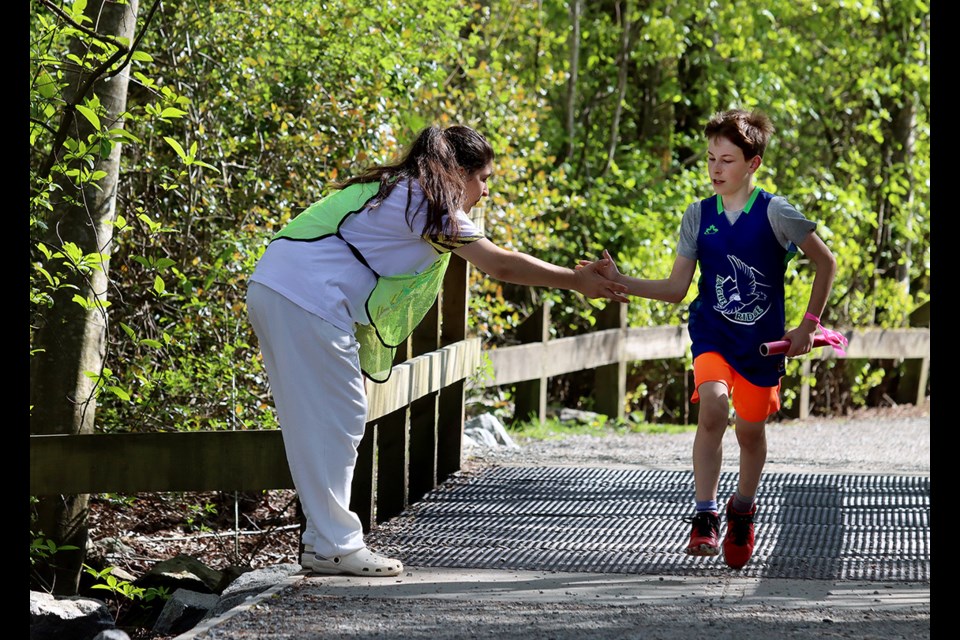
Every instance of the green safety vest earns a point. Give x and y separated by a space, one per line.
397 303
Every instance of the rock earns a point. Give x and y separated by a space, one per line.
183 611
488 431
575 415
482 437
230 574
181 572
251 584
59 617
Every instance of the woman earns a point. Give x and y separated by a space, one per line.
342 285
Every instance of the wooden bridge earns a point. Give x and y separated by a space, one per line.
413 436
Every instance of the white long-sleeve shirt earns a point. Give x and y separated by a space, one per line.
326 278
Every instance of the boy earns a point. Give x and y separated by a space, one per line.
742 238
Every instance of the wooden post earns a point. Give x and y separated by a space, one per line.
392 462
530 396
913 382
805 389
611 380
424 415
387 466
426 336
922 382
364 486
450 431
450 406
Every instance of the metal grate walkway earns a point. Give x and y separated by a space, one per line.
827 527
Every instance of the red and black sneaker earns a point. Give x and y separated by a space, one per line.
738 540
705 534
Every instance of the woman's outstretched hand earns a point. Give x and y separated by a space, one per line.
608 268
598 279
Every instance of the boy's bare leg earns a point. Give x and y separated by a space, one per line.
708 443
752 437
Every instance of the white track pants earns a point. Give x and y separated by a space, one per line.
318 390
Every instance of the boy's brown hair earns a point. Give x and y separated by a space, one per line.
749 130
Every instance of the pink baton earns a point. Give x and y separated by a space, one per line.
826 337
780 346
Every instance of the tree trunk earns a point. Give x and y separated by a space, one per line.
622 71
902 130
570 123
893 256
70 342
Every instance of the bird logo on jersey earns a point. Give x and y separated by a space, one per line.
740 297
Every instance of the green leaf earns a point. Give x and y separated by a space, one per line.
76 11
205 165
89 115
172 112
120 393
176 147
46 85
123 133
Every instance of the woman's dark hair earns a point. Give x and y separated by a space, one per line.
438 159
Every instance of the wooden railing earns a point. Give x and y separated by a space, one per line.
612 345
413 440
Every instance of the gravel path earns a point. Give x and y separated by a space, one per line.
888 440
446 605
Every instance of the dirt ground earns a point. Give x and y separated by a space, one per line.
442 619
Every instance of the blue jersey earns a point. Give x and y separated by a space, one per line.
740 299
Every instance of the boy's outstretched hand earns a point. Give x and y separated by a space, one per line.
600 279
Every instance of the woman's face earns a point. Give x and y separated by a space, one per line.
475 187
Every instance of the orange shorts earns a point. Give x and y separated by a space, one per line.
752 403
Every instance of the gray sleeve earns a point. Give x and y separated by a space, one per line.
788 224
689 225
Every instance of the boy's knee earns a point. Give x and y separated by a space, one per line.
754 417
714 413
751 434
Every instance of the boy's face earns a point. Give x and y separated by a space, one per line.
730 172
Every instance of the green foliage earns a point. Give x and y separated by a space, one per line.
63 166
42 552
288 110
225 138
42 548
198 516
865 376
123 591
599 425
